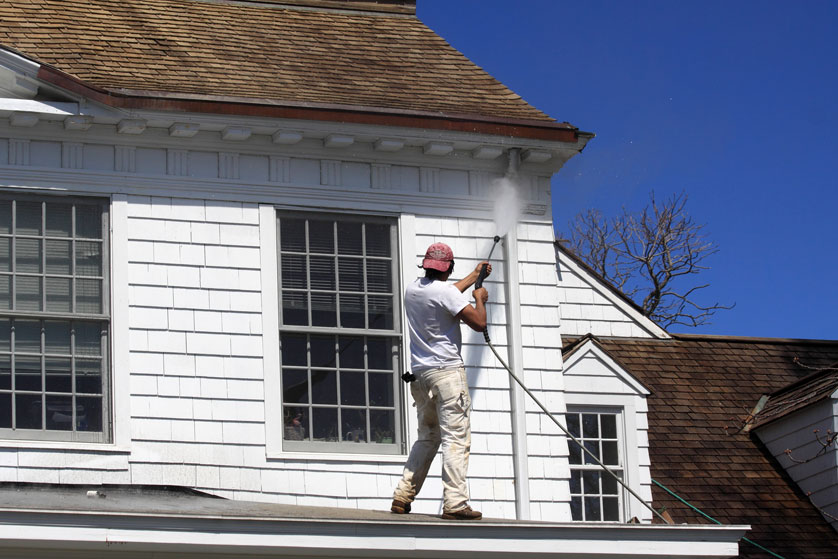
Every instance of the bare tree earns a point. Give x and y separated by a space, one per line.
650 256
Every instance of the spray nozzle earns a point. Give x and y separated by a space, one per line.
484 270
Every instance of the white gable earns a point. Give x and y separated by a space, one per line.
589 306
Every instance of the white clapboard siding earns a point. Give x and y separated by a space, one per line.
811 465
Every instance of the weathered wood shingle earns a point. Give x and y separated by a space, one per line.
703 390
259 51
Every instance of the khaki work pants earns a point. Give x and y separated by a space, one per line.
443 407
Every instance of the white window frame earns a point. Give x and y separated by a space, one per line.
275 447
44 437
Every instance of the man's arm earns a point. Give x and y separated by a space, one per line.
475 316
469 280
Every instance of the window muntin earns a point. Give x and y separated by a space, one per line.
594 494
53 320
339 333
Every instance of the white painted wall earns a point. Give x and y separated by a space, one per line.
189 338
812 466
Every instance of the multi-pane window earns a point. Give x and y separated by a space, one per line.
594 494
339 333
53 318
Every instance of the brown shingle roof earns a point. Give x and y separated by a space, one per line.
258 51
702 391
798 395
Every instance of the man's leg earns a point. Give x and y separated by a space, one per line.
454 408
423 451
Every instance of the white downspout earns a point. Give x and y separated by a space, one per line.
516 360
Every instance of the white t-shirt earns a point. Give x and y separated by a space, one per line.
435 339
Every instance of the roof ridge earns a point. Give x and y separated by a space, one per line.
751 339
391 7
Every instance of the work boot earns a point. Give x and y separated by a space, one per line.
399 507
463 514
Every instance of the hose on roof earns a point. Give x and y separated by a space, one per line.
710 518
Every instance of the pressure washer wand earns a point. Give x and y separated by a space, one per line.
484 270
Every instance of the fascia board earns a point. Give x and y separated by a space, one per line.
224 536
619 371
642 321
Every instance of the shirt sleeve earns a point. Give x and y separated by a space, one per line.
453 300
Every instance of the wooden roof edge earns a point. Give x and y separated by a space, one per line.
753 339
406 7
550 131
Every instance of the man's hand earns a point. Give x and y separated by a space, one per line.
481 295
469 280
475 317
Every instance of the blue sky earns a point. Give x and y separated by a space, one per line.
735 103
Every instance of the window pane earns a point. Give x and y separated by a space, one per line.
57 337
575 482
351 274
324 387
28 411
323 309
351 352
590 483
29 294
6 411
325 424
379 276
576 508
609 453
59 412
609 426
59 376
610 508
5 254
322 272
28 373
294 386
353 389
322 351
5 292
89 221
88 338
349 238
88 296
321 237
294 308
379 354
381 389
380 313
88 376
609 484
575 452
292 234
5 217
294 349
59 219
5 334
352 311
28 218
592 510
88 258
294 272
27 336
5 372
59 294
28 256
58 257
295 422
383 426
593 448
354 425
89 413
590 425
378 239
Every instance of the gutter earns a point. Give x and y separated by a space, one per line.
59 533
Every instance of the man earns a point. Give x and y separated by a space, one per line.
434 311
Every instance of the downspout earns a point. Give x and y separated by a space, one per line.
516 359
